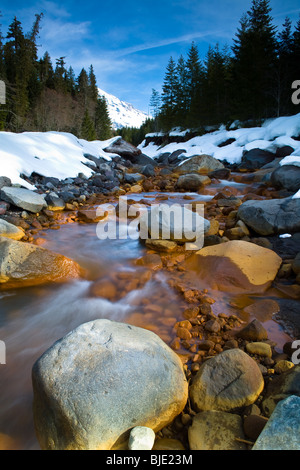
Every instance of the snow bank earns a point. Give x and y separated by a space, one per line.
290 160
56 154
273 134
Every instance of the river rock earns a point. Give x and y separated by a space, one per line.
237 266
192 182
281 387
282 432
120 147
23 264
102 379
4 181
23 198
200 164
255 159
254 331
230 380
269 217
216 430
133 178
10 231
259 348
287 177
54 202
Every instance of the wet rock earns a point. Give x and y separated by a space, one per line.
263 310
101 380
4 181
288 316
283 366
54 202
255 159
200 164
8 230
216 430
133 178
148 170
104 288
222 174
270 217
281 387
91 215
192 182
165 246
141 438
282 432
151 261
23 264
230 380
254 331
237 266
23 198
287 177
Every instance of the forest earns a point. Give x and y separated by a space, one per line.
44 97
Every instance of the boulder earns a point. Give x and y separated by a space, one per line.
123 148
23 198
287 177
200 164
10 231
192 182
133 178
255 159
101 380
282 432
271 217
230 380
216 430
91 216
184 226
23 264
54 202
4 181
236 266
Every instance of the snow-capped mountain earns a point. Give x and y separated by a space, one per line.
123 114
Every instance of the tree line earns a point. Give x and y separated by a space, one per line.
43 97
249 81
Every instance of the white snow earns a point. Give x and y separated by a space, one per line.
273 134
290 160
297 195
285 235
56 154
123 114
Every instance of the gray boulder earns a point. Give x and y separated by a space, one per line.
282 431
101 380
133 178
10 231
123 148
287 177
192 182
200 164
271 217
4 181
23 198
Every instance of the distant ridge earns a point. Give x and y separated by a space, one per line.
123 114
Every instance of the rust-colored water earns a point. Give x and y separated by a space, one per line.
32 319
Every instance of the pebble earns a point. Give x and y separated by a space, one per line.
262 349
141 438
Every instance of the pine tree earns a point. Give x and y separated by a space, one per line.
103 125
181 92
92 83
169 96
254 61
195 78
59 75
87 127
83 87
296 52
283 76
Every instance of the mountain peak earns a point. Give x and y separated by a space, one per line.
122 114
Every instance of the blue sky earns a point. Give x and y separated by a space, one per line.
129 42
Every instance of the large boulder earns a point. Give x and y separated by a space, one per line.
255 159
282 432
23 264
236 266
200 164
23 198
123 148
176 223
271 217
287 177
230 380
10 231
281 387
100 381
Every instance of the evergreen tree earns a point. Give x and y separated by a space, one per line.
87 127
59 75
194 87
92 83
296 52
254 62
83 87
283 76
103 125
46 72
154 105
181 92
169 96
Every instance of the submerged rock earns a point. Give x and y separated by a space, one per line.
102 379
23 264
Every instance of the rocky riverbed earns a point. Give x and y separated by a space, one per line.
228 312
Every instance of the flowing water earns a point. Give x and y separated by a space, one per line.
32 319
